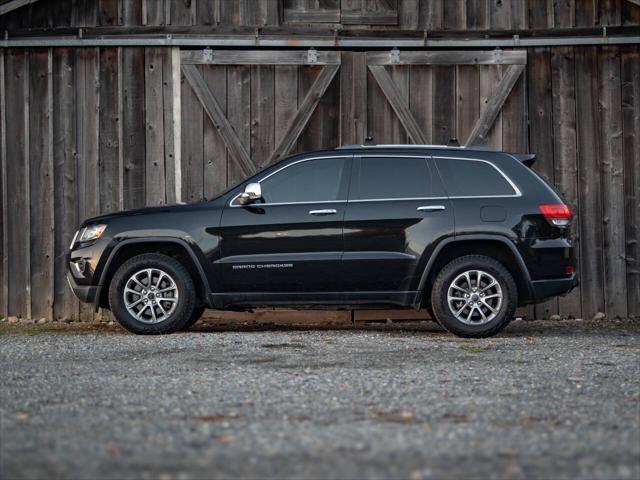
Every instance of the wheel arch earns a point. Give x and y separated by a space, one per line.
495 246
173 247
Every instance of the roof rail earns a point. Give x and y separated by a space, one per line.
395 145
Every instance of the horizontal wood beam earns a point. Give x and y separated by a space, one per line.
260 57
493 107
301 118
220 121
398 104
492 57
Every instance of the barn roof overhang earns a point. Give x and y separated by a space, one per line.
276 38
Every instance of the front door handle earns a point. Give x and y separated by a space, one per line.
431 208
325 211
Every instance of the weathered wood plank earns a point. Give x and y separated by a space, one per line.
64 171
87 124
421 97
84 13
564 152
564 13
171 113
261 57
132 12
133 127
591 262
41 184
214 149
615 269
311 11
109 149
211 106
500 15
610 12
490 77
400 77
477 14
183 12
108 12
262 111
192 117
467 99
455 15
409 14
302 116
515 118
431 15
369 12
155 173
631 153
519 15
450 57
398 103
586 13
494 106
286 97
156 12
277 316
239 114
17 186
541 132
11 5
208 12
444 105
322 129
3 196
353 98
540 14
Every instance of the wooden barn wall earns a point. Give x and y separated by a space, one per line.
346 14
89 131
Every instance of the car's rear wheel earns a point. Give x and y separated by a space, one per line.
195 316
474 296
151 294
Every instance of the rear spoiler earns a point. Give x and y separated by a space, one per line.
527 159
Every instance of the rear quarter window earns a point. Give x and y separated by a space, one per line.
472 178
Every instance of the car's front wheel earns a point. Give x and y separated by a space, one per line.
474 296
152 294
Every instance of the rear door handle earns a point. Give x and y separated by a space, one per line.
325 211
431 208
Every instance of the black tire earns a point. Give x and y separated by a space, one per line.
195 316
445 316
181 314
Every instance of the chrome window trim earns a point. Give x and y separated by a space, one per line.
361 200
287 166
517 191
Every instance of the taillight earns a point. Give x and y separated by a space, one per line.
557 214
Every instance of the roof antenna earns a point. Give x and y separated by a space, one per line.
369 141
453 142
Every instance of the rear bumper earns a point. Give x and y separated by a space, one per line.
84 293
551 288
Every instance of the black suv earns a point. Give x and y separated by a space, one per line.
468 233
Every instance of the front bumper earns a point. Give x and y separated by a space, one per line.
84 293
551 288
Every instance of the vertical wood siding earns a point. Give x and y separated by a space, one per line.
89 131
378 14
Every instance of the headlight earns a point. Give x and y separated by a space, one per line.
92 232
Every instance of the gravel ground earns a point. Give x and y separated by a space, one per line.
543 400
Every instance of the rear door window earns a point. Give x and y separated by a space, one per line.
389 178
473 178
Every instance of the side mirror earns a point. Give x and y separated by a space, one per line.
252 192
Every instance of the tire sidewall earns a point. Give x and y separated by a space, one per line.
444 279
183 311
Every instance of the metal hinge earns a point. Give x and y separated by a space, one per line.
394 55
312 55
498 54
207 55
